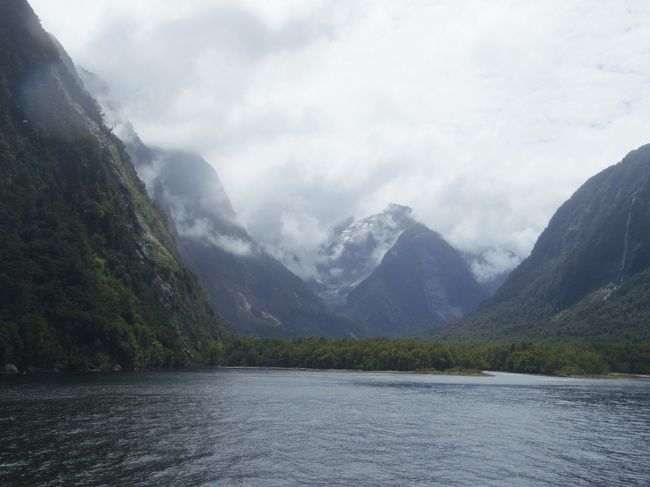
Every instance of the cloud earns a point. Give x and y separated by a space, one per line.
294 237
491 263
234 245
204 231
482 116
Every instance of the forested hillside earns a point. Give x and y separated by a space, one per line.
588 276
89 274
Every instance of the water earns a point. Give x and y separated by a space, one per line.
279 428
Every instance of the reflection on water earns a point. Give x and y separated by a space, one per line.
267 428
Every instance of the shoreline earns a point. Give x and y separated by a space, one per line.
611 375
450 372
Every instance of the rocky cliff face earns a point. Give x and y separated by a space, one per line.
89 273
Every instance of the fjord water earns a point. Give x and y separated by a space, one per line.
285 428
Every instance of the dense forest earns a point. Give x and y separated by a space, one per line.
89 273
570 358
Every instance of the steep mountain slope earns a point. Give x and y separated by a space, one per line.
88 271
588 275
249 289
421 282
355 249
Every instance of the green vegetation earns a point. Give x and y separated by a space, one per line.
89 274
254 292
588 276
413 355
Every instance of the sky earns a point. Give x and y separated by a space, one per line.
483 116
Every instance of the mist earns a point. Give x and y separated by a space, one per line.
481 116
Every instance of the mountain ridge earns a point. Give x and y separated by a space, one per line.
90 274
592 259
251 290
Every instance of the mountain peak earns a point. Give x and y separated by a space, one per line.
397 210
422 281
356 248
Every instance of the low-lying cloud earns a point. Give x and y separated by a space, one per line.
204 229
481 116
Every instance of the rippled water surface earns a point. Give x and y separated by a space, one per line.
268 428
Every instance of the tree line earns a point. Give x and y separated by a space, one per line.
569 358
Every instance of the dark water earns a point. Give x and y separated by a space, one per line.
268 428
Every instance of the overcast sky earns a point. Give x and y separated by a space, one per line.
484 116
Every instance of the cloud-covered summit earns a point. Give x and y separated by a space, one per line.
355 248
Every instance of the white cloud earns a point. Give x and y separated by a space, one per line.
294 238
482 116
203 230
491 263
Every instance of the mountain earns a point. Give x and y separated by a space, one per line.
422 282
588 275
251 290
397 278
355 249
89 273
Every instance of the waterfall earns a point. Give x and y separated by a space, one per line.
626 240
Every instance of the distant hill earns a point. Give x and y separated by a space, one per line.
421 282
89 273
588 275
